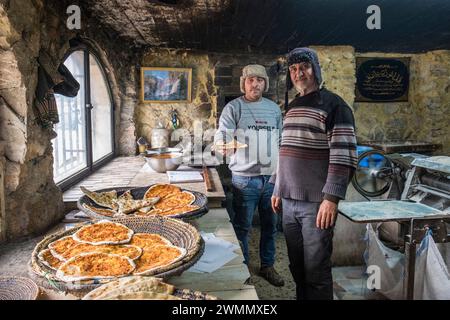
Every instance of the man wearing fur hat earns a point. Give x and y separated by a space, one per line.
255 121
316 163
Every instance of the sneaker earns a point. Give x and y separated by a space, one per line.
272 276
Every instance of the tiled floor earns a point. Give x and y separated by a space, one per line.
350 283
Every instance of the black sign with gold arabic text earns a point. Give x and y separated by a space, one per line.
382 79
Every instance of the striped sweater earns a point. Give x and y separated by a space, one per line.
318 149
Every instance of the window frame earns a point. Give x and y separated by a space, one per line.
91 166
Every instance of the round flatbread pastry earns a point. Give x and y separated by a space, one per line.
132 252
170 211
161 191
178 210
130 284
148 240
113 285
176 200
47 258
156 257
58 247
148 213
101 211
142 295
104 232
95 265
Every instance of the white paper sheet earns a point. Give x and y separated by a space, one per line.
184 176
218 252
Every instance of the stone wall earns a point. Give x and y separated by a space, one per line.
32 201
202 108
228 70
338 70
425 116
2 199
215 79
27 30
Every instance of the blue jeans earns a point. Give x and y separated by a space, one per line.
250 193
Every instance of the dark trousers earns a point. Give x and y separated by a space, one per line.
309 250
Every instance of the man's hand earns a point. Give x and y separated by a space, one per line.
326 216
226 151
276 204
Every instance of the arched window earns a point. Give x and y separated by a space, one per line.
85 130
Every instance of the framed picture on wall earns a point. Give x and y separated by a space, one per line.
382 79
164 85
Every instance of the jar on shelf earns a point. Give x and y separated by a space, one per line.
160 137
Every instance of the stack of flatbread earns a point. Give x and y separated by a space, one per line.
133 288
116 206
172 201
106 250
162 199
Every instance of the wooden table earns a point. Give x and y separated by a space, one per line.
133 171
228 282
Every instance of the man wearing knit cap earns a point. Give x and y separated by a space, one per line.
255 121
316 163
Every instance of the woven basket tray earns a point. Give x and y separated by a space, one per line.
180 233
138 193
18 288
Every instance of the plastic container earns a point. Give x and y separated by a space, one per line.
160 138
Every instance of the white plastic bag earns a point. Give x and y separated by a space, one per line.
390 263
432 278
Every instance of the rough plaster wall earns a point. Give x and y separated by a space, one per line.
425 116
2 198
202 108
338 70
228 69
32 200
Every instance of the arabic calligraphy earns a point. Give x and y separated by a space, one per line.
382 80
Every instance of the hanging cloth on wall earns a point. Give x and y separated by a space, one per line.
50 82
45 103
69 87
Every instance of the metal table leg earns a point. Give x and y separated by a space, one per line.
410 264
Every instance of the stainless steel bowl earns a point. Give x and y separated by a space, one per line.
163 150
160 164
